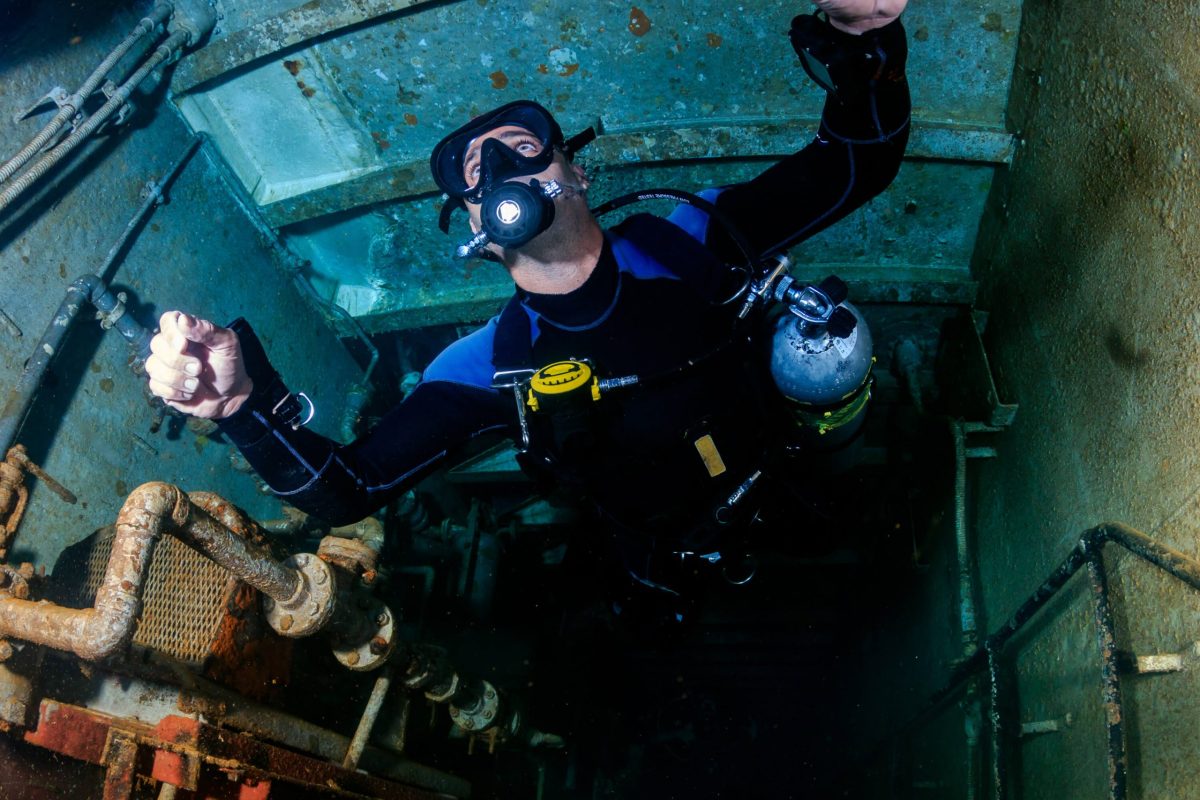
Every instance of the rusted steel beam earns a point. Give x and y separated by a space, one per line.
121 761
71 731
179 764
1087 553
225 755
297 27
193 755
1114 712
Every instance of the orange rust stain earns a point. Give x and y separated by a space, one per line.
639 23
569 69
305 89
293 66
499 79
75 40
380 142
714 39
245 654
542 68
411 119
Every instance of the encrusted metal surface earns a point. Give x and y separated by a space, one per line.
280 32
92 427
332 138
184 600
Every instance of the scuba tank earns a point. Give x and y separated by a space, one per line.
820 356
821 359
821 348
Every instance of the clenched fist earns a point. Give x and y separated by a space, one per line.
859 16
196 367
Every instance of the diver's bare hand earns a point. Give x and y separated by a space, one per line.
196 367
859 16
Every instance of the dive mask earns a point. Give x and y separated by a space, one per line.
512 212
497 161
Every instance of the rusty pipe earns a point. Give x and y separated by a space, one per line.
72 104
165 52
102 630
85 289
152 509
367 721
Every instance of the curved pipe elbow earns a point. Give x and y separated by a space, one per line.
106 628
106 632
109 625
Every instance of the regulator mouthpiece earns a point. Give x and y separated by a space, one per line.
512 215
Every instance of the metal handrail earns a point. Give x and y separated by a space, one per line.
986 657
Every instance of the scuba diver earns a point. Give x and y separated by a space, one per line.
628 366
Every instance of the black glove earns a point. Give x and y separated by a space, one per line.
846 65
270 395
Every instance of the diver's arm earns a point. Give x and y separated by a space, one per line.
857 152
344 483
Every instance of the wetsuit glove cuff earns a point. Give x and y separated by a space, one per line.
869 101
268 402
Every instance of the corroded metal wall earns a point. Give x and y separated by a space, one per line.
91 426
1089 261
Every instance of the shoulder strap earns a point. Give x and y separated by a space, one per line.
662 247
512 348
668 246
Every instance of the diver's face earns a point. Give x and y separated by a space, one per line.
522 141
528 145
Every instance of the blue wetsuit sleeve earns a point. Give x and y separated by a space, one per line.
855 155
342 483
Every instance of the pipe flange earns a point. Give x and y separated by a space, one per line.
483 716
375 651
311 607
444 696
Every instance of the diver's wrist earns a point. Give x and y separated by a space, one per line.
855 28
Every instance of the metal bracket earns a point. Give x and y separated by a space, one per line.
109 318
109 90
973 393
57 96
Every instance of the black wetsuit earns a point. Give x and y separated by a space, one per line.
647 309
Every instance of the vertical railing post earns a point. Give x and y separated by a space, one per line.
996 723
1114 711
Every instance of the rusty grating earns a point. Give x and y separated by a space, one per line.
184 601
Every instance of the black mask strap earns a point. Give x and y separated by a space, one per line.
578 142
451 205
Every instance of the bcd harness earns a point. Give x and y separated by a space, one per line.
567 392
